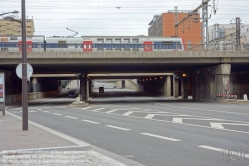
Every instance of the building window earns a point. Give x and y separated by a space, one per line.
28 31
28 26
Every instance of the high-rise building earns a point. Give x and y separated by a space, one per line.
164 25
227 31
14 28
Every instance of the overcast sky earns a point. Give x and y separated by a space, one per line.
101 17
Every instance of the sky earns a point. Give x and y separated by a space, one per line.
113 17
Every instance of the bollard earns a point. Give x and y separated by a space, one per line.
245 97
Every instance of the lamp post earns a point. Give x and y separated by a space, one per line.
24 67
14 12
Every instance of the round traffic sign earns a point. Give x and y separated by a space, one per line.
19 70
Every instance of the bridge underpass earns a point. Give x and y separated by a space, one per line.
206 72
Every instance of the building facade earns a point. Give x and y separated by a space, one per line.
164 25
226 32
9 28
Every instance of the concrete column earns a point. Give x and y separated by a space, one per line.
34 84
123 84
176 87
87 89
184 90
167 86
83 88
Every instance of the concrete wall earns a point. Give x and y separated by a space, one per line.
129 84
239 84
14 99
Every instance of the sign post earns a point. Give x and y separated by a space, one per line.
2 93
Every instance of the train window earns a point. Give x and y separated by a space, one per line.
135 41
108 40
117 40
100 40
126 40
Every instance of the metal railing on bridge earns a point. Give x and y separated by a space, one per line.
124 47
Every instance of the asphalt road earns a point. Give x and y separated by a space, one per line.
152 130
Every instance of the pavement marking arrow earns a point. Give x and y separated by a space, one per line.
127 113
149 116
219 125
216 125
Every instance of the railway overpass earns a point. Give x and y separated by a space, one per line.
204 72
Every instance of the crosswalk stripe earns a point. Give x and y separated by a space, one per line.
149 116
111 111
127 113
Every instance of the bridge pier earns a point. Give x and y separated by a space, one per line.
175 87
167 86
209 81
83 87
184 88
123 84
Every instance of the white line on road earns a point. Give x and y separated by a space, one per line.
91 121
57 114
221 150
86 108
162 137
194 108
111 111
216 125
47 111
98 109
71 117
38 109
115 127
177 120
149 116
127 113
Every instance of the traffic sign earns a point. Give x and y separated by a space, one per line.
19 70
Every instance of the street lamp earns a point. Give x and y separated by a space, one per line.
24 66
14 12
9 18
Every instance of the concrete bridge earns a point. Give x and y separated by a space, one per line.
206 72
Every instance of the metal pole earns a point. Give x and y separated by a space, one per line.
176 21
24 72
237 33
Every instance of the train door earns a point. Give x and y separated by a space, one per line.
87 46
28 46
147 46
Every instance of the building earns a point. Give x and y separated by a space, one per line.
227 32
14 28
164 25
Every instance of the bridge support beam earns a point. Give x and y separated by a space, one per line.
83 87
34 85
167 86
175 87
208 81
123 84
184 88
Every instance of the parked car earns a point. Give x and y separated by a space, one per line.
72 94
101 89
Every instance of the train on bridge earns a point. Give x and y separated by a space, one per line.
93 43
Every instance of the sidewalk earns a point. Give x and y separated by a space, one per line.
43 146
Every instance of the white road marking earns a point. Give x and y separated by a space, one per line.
177 120
85 108
32 111
216 125
38 109
91 121
220 150
116 127
111 111
237 131
71 117
56 114
149 116
127 113
204 109
98 109
47 111
158 136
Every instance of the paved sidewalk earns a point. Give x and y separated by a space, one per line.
38 146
